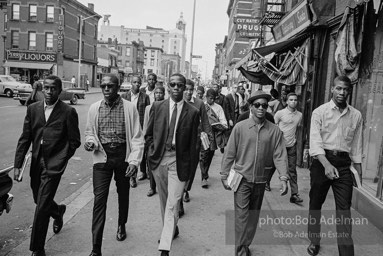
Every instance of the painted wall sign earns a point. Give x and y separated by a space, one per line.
60 34
248 27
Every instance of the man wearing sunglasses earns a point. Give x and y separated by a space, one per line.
254 144
113 133
171 137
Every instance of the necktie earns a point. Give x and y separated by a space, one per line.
171 128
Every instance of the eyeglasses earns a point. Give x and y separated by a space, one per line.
257 105
174 84
107 85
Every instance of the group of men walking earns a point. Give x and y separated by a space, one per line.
166 139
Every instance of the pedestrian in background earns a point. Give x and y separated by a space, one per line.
52 128
73 81
254 144
37 93
232 101
171 138
289 120
113 133
140 100
200 93
152 81
159 95
221 100
335 144
219 126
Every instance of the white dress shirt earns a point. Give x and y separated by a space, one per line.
134 98
151 95
179 109
48 110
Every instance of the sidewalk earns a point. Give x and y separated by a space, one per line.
93 90
202 228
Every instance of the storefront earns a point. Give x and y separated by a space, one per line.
24 65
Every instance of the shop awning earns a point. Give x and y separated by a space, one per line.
30 65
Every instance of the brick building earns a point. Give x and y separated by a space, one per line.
43 38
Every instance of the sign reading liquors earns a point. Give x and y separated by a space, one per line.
31 56
292 23
248 27
60 34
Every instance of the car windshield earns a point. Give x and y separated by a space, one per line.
7 79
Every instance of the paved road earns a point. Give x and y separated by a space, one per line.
78 172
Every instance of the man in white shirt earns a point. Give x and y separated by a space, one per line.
288 120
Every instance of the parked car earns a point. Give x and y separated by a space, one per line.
8 85
68 93
125 87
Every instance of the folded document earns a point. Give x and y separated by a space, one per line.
234 179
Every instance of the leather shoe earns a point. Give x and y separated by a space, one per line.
95 254
204 183
58 223
121 233
133 182
295 199
143 177
267 187
186 197
38 253
313 249
151 192
164 253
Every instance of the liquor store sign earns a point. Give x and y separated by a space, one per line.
31 56
248 27
60 34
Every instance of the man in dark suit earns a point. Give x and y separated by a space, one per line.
52 128
171 136
204 127
232 105
141 100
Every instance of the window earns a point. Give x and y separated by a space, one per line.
49 41
95 31
152 53
128 52
163 41
50 13
32 12
15 39
31 40
145 62
151 62
78 22
15 11
82 49
94 52
127 63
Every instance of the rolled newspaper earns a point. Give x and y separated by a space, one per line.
205 141
26 159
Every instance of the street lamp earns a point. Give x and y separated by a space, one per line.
80 48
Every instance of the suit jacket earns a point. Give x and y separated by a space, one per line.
57 138
142 101
230 107
186 137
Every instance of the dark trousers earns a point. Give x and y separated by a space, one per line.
44 189
247 204
205 161
5 186
102 176
189 183
144 162
292 161
152 182
342 189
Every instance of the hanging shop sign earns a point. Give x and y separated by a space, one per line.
31 56
248 27
60 34
294 22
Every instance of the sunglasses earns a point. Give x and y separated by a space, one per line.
257 105
174 84
107 85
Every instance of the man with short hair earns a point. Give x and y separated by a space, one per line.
335 144
288 120
113 133
140 100
171 137
254 144
159 95
221 100
232 100
152 80
52 128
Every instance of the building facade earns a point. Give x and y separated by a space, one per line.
170 41
152 62
44 38
3 27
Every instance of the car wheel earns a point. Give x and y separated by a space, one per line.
74 100
22 102
8 93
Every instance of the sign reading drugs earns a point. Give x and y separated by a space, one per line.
248 27
31 56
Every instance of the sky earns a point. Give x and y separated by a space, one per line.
211 22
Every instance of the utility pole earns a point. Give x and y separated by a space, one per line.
191 44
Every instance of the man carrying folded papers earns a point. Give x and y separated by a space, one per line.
254 145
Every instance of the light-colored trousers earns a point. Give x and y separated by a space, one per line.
170 190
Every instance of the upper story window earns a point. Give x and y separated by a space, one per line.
32 12
152 53
49 41
15 39
128 51
15 11
31 40
50 13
